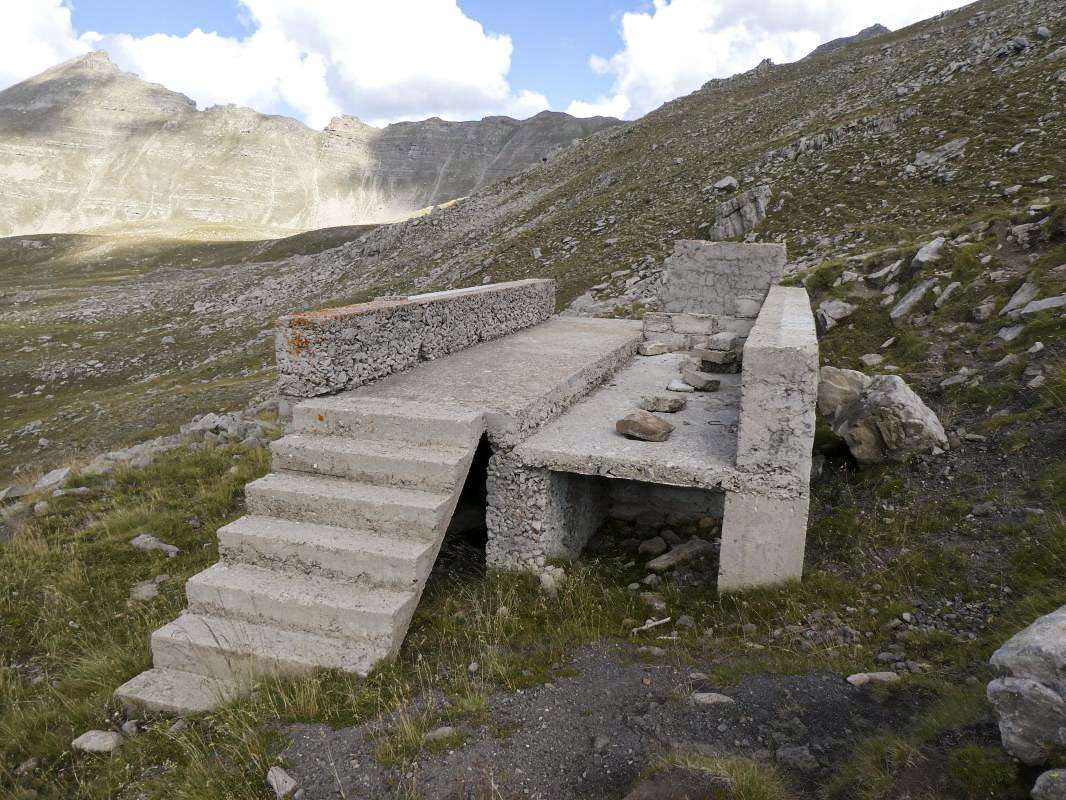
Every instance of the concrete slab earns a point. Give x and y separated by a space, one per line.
701 452
520 380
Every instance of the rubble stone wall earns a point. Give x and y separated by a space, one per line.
328 351
712 287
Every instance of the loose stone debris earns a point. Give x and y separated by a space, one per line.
644 426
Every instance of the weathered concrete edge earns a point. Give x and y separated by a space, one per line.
779 390
506 431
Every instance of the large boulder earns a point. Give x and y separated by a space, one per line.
1030 699
880 418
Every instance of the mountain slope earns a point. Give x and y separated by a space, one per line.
84 145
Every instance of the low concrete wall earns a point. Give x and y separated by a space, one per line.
711 287
779 387
328 351
764 536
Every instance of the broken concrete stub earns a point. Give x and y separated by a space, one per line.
711 288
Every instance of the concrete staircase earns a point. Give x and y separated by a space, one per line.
328 566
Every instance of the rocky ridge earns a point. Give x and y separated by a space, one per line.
85 145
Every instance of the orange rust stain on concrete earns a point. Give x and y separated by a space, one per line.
298 344
308 318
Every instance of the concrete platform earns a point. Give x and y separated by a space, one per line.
701 452
520 380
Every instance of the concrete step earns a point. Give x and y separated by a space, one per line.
326 550
383 463
389 419
335 501
302 602
236 651
172 691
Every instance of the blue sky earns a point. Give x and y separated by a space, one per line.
388 60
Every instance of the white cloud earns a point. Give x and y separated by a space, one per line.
34 35
383 60
678 45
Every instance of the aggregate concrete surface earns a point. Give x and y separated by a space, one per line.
699 452
589 736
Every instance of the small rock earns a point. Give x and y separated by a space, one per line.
437 734
863 678
97 742
655 546
871 360
929 252
712 699
600 743
1051 785
644 426
1043 33
147 590
146 542
701 381
1009 334
798 758
130 728
27 767
682 554
664 405
651 581
53 479
677 385
40 507
178 728
283 784
725 341
727 184
1036 348
685 621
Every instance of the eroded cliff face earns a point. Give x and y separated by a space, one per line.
84 145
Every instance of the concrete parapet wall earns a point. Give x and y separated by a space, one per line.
779 388
322 352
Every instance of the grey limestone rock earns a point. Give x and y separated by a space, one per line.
146 541
682 554
56 477
1028 700
99 742
1051 785
887 421
740 215
661 404
283 784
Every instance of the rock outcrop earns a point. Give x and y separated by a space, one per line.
84 145
880 418
1030 699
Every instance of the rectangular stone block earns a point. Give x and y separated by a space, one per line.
701 324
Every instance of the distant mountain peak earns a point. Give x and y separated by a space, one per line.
866 33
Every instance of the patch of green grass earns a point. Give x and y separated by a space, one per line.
751 780
984 773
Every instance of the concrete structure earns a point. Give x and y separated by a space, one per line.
713 287
328 567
